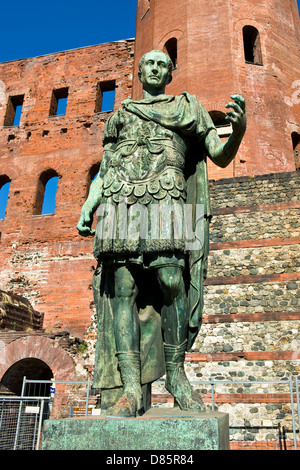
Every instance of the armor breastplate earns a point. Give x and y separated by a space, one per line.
146 166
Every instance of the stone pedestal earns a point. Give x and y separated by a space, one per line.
157 429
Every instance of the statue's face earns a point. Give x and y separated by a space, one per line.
154 73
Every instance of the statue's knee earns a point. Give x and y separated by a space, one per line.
126 290
170 281
125 286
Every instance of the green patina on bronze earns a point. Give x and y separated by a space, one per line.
156 430
149 290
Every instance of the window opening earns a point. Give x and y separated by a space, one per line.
92 175
145 8
4 191
105 97
252 46
296 149
219 118
94 171
49 196
171 49
224 127
14 110
59 101
46 193
32 369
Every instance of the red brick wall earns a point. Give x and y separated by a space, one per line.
43 257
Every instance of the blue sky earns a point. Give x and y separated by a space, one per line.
35 27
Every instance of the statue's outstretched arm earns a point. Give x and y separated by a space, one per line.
223 153
93 200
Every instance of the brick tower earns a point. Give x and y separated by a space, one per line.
234 46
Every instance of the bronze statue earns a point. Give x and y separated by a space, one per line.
151 238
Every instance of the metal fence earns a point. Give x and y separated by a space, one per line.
65 396
284 425
21 418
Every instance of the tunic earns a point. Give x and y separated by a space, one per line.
143 206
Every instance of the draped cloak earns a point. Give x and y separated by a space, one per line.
184 115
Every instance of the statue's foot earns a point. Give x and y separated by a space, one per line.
128 406
184 396
191 403
125 408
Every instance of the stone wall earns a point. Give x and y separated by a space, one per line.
252 302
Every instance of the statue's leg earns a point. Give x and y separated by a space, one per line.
126 323
174 315
126 328
175 328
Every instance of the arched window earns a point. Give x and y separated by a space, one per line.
252 46
296 148
4 191
92 174
218 118
105 97
33 369
170 48
59 99
46 193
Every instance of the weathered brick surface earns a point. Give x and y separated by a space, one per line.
43 257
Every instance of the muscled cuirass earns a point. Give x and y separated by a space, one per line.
146 163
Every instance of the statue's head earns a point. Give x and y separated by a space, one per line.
155 70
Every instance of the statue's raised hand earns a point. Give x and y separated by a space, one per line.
237 117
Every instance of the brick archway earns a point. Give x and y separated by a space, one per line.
38 347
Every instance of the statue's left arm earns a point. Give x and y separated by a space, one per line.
222 153
96 188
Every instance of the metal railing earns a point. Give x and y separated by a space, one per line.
29 386
289 382
21 418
